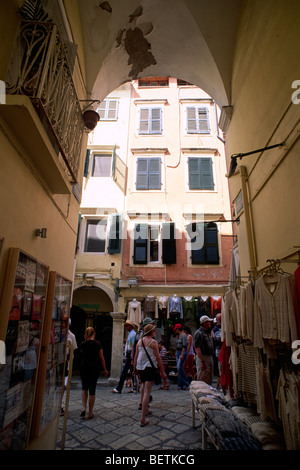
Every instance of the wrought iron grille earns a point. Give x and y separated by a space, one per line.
39 69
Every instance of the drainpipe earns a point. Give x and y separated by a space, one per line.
249 219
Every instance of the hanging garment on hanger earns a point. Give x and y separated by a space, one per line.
134 312
287 396
229 321
162 305
297 298
163 301
150 306
274 314
189 306
250 311
175 305
247 361
204 306
215 303
265 396
226 373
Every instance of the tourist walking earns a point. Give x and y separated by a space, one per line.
90 366
188 366
181 355
204 349
147 359
130 327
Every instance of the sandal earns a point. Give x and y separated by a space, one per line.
144 423
82 414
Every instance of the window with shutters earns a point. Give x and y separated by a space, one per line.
95 236
108 110
197 120
200 173
150 120
148 173
102 164
115 234
204 243
154 243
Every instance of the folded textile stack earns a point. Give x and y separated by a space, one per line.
228 432
269 437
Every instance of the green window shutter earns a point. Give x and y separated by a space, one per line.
200 173
168 243
194 173
206 174
154 179
87 162
114 243
140 244
78 230
211 242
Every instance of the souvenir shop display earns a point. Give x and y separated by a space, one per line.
260 323
54 341
175 306
23 299
134 311
162 303
150 306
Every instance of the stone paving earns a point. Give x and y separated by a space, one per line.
116 422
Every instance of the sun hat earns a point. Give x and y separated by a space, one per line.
178 326
147 320
204 319
148 328
130 322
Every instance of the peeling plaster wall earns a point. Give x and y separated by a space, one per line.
146 38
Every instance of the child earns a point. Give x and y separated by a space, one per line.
164 357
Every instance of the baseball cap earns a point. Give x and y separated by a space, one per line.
178 326
205 318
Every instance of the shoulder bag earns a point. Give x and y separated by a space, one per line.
157 378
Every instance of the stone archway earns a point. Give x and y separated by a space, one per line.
92 306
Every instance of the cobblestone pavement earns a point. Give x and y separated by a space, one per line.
116 422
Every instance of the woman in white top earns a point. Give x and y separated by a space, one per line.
143 367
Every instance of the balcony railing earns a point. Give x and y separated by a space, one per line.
39 69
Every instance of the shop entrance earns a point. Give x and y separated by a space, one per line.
92 307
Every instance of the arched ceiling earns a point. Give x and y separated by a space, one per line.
188 39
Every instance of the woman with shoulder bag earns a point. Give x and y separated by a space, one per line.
147 361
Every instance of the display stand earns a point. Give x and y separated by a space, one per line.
21 321
52 361
63 438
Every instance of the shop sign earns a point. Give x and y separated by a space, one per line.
93 307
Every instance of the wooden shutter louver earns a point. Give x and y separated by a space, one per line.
114 243
140 244
168 243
